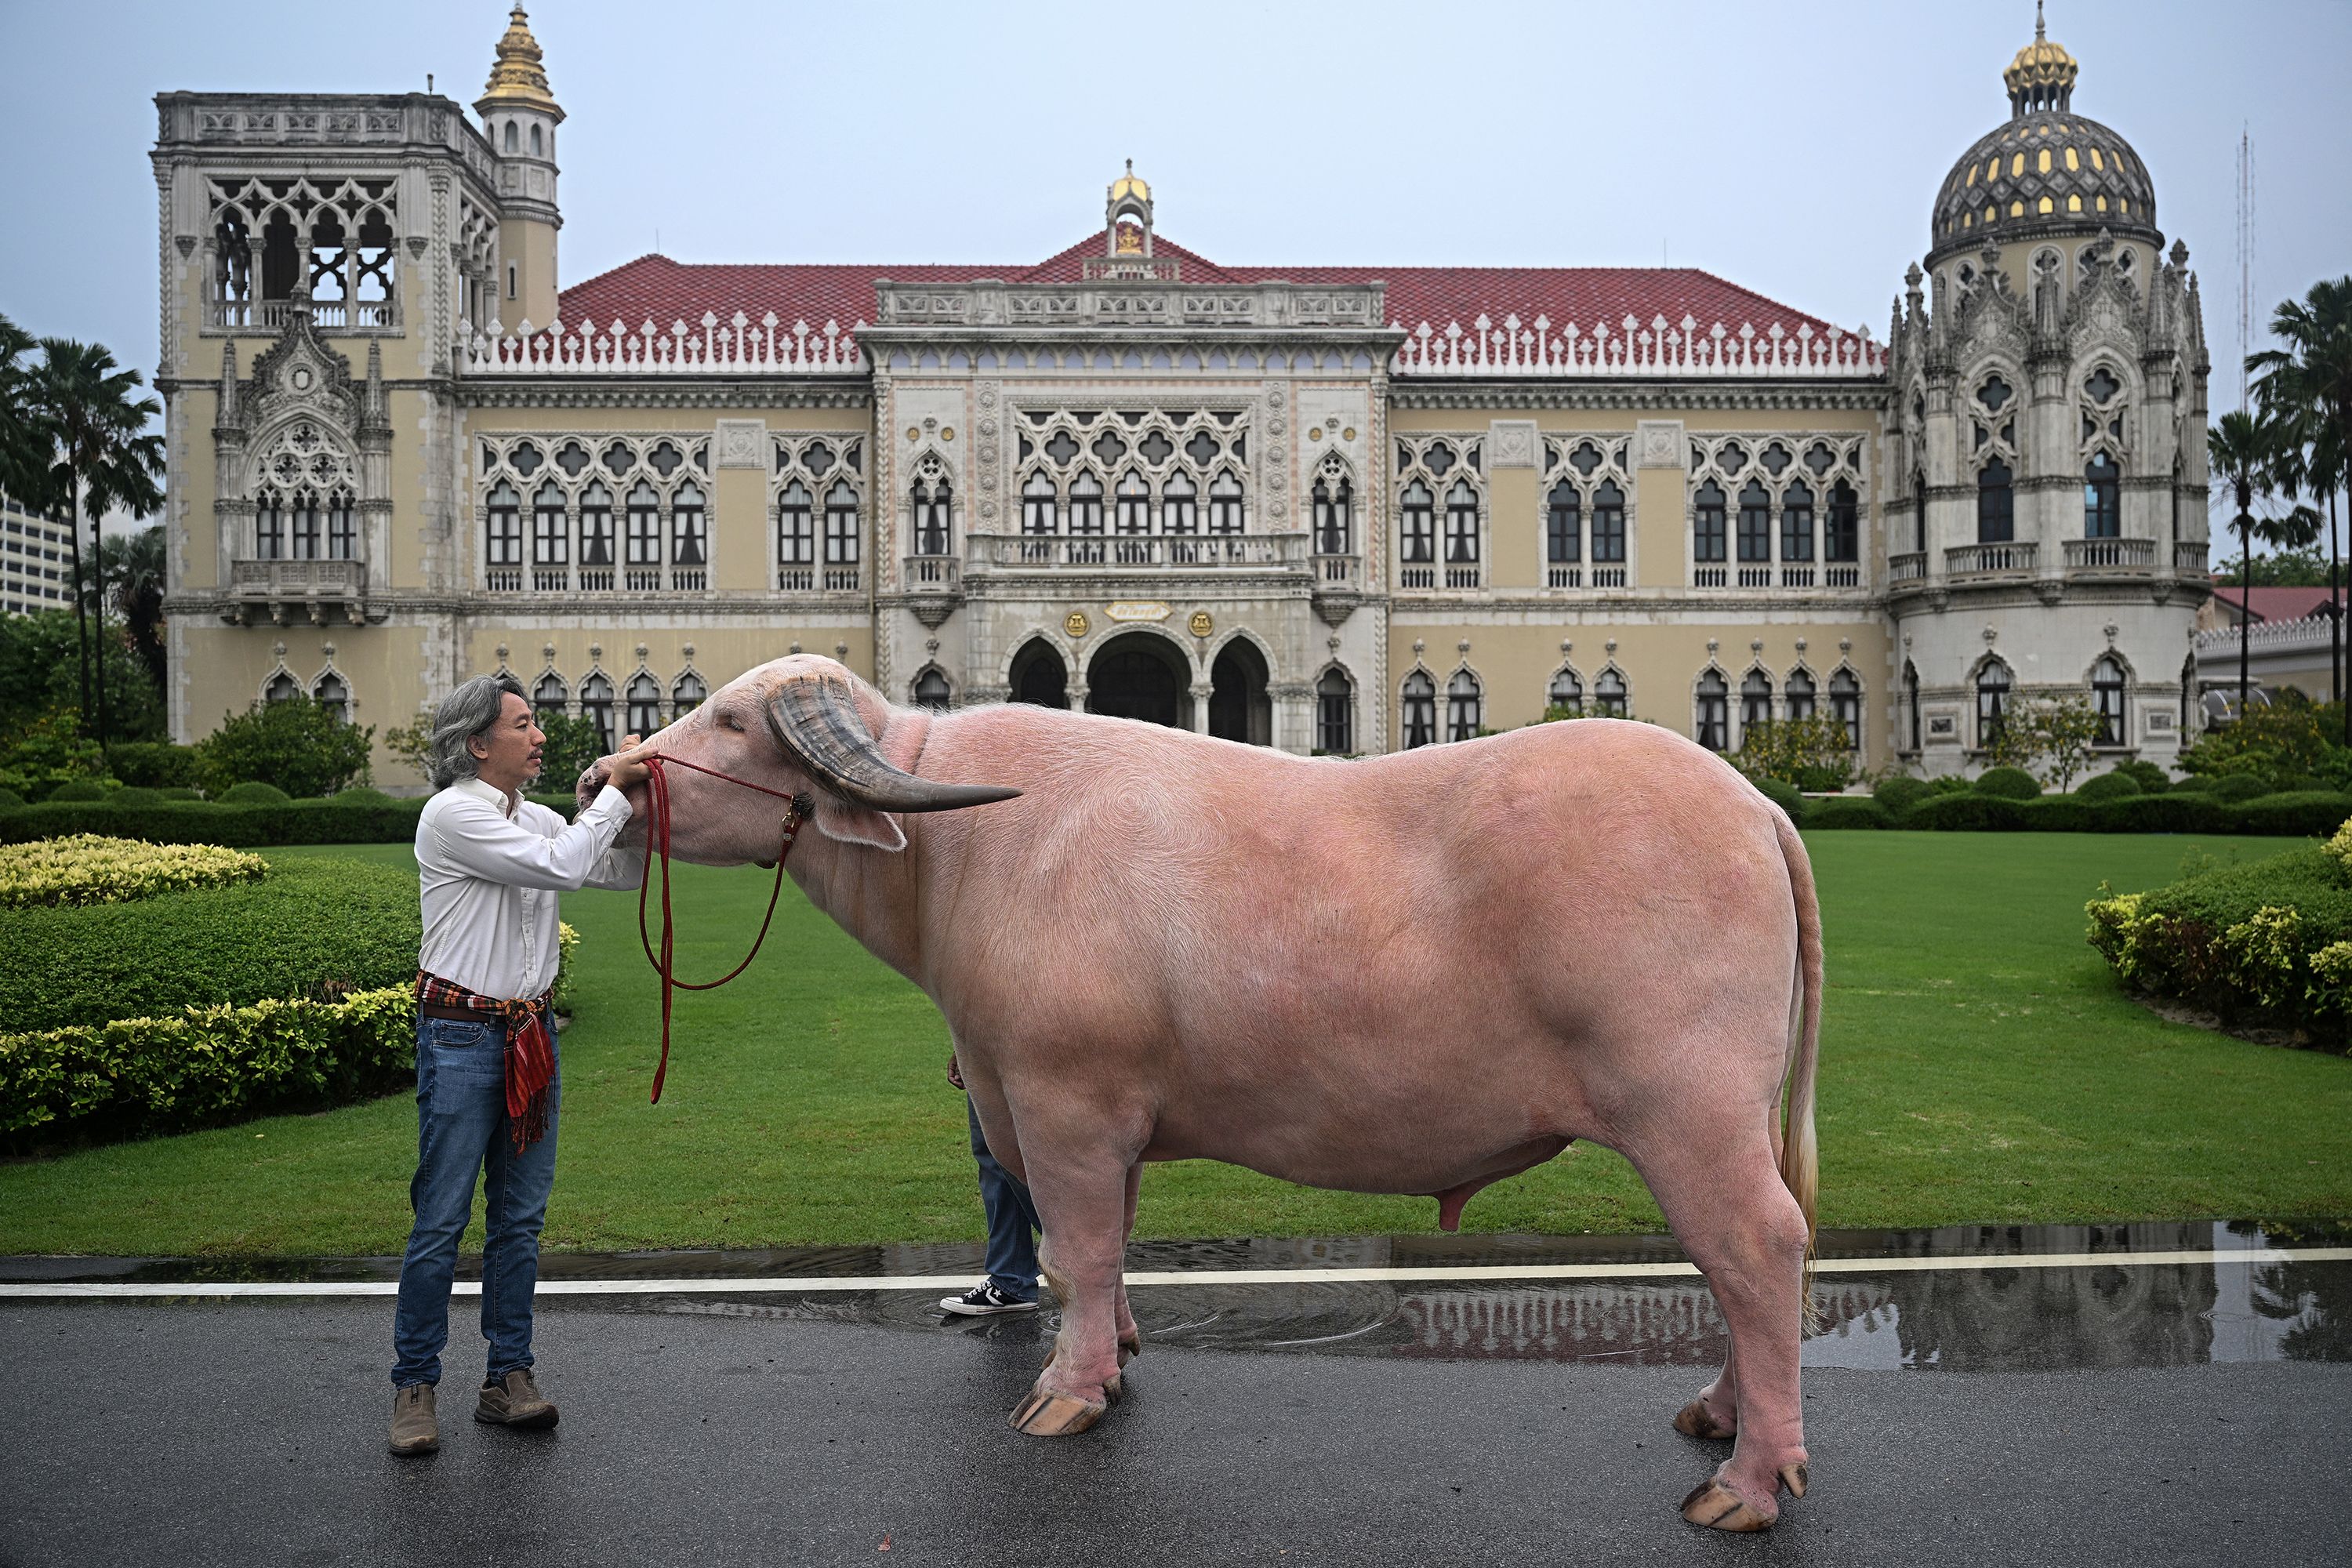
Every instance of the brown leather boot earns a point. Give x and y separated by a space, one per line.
413 1428
515 1400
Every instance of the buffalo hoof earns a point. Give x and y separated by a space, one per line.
1046 1414
1717 1507
1695 1420
1130 1345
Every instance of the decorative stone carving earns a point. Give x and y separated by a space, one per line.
1658 444
1511 443
742 443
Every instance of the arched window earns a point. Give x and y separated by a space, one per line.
1038 514
1132 513
1179 504
795 536
1845 706
1996 504
1564 526
841 535
1335 713
1754 524
596 707
644 704
1919 509
2188 697
644 533
512 141
596 530
1085 505
1992 703
1714 730
333 695
1608 524
690 528
1797 696
1911 699
551 528
1611 698
932 691
1706 523
934 520
302 535
1463 706
505 535
1417 529
549 699
535 145
687 693
1225 504
2107 697
1755 703
1565 695
2102 515
342 529
1461 525
1334 516
1841 540
1420 726
282 687
1796 523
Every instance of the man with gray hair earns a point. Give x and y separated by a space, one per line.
489 865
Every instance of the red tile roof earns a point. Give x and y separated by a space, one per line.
657 289
2276 604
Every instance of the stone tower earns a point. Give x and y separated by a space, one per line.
519 118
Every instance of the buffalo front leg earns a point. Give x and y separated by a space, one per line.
1081 1201
1738 1221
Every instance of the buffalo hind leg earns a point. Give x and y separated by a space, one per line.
1738 1221
1130 1337
1082 1204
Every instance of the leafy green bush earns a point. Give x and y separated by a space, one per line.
2175 811
2009 783
79 789
2195 784
319 929
89 870
1967 813
1824 781
156 765
297 744
2239 787
571 745
49 748
1782 794
10 800
361 794
2108 787
2151 779
181 792
204 1066
205 822
253 792
2312 813
2292 735
1848 811
134 794
1899 793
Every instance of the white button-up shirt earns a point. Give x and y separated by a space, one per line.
489 868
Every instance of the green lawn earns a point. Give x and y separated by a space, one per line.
1977 1065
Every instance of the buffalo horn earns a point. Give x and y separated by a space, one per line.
816 723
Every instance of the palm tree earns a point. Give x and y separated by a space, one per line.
130 577
93 420
2310 382
2243 451
23 466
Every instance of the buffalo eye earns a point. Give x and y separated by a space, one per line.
733 723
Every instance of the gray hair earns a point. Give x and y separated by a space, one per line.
463 714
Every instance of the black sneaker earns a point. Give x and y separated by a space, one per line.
984 1300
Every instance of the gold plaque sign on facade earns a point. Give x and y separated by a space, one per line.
1201 624
1136 610
1075 623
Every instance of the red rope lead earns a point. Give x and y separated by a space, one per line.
796 812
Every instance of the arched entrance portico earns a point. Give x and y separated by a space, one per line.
1039 676
1239 708
1139 674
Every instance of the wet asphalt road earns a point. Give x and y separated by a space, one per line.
251 1431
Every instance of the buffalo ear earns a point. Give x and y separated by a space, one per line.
850 824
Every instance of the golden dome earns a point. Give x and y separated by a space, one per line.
518 80
1127 184
2043 74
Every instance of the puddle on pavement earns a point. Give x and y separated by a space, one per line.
1975 1319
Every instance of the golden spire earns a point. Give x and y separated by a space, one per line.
2043 74
1127 186
518 80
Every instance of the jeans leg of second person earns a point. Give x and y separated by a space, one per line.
1011 1222
461 1095
514 1209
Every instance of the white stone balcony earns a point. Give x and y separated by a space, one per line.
2008 558
282 590
2110 555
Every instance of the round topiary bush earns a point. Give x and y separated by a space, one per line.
135 796
1901 793
2195 784
79 789
2239 787
2009 783
2151 779
361 794
1782 794
2109 786
10 800
253 792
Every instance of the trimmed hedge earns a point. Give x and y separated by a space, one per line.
1782 794
204 1066
2238 786
207 822
2010 783
2313 814
1900 793
1848 811
253 792
2108 787
320 928
78 790
92 870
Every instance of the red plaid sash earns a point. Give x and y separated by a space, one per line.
530 1049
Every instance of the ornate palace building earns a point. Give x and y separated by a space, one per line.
1324 508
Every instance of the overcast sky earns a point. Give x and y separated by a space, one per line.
1793 149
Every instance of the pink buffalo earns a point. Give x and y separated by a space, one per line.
1414 973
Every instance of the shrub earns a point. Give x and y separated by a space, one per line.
2195 784
10 800
1783 795
319 929
79 789
571 745
180 792
563 806
89 870
253 792
205 822
360 795
2009 783
2239 787
1973 813
2175 812
134 795
1899 794
1824 781
296 744
2108 787
2312 813
204 1065
2290 735
1787 749
2151 779
1848 811
52 747
156 765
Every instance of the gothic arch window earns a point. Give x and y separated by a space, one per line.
1911 699
1086 506
1992 703
1608 525
1335 514
1420 726
1845 706
1225 511
550 699
268 526
1797 694
2107 684
1335 713
1919 510
1461 531
282 687
1755 703
334 696
796 537
841 537
1563 528
1131 507
1842 538
342 530
1566 694
934 501
511 139
551 530
1417 535
596 707
644 538
596 535
1611 698
690 530
2102 498
1464 706
504 535
1713 728
687 693
536 149
644 704
1996 504
1708 524
1755 525
1796 523
932 691
302 533
1179 503
1038 512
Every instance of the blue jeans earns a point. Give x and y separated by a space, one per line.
462 1133
1012 1254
